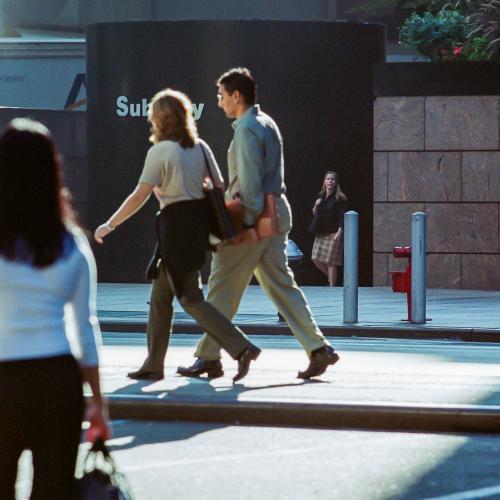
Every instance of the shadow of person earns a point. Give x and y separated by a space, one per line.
131 433
203 388
197 390
128 434
229 391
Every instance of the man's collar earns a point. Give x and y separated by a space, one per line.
252 110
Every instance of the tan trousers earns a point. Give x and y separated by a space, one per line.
231 272
230 337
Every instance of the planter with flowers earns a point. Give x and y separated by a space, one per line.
462 44
448 35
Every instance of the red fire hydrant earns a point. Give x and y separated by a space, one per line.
401 280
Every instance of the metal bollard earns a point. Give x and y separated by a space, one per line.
418 279
351 267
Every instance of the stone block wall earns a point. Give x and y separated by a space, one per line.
439 155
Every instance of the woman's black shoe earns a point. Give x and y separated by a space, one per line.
145 375
249 354
213 368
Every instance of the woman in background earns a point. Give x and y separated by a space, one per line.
328 224
46 270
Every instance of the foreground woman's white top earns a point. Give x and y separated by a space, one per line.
41 307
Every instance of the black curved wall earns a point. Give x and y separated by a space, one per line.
315 79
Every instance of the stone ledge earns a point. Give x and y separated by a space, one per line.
369 415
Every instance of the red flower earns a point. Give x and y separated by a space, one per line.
458 50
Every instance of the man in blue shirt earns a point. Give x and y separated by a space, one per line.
256 167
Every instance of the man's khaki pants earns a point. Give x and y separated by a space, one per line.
232 339
231 272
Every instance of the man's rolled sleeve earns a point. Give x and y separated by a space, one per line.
250 165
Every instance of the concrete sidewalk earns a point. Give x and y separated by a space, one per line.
469 315
380 383
431 385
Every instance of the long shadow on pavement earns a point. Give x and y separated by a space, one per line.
197 390
200 389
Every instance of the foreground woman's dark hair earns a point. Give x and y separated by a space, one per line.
31 200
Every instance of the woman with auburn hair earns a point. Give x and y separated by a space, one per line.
46 270
328 224
175 169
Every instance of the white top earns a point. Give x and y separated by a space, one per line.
42 310
178 172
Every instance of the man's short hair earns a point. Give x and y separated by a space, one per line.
240 79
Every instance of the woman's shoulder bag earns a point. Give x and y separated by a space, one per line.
220 224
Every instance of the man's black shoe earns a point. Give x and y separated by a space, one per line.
213 369
145 375
321 359
251 353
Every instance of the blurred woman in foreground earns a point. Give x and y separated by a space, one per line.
47 290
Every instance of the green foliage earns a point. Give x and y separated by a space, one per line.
443 36
478 48
486 19
443 30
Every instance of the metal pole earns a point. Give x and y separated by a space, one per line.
351 267
418 281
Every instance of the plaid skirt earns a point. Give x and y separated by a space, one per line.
328 250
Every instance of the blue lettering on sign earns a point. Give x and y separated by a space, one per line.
136 109
122 106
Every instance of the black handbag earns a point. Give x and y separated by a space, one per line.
219 221
100 478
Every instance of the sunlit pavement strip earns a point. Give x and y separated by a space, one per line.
445 378
447 373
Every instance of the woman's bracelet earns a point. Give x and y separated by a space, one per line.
109 227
